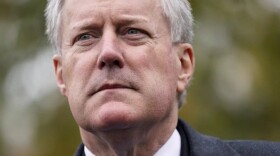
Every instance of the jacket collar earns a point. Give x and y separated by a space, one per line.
193 144
197 144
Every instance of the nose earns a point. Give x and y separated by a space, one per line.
110 54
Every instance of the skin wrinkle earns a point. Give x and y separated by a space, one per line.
121 121
69 14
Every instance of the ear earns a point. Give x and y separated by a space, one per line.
57 62
186 57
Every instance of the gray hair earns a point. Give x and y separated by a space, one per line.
177 12
53 14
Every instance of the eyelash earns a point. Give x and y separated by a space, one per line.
140 31
133 29
80 37
90 36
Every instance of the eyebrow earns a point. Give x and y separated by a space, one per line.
84 25
96 23
130 19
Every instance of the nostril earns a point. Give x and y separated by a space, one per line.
111 63
102 64
110 58
117 63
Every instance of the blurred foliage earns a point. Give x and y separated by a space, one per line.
237 38
59 134
250 29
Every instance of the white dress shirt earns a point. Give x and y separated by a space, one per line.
171 147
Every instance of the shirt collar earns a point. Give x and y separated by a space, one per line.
87 152
171 147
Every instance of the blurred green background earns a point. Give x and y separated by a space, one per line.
235 92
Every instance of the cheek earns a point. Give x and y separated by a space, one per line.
156 67
77 70
163 68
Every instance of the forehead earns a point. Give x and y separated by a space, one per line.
86 8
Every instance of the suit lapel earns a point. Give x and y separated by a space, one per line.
195 144
80 151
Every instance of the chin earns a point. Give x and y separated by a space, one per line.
115 116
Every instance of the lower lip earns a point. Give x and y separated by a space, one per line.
112 89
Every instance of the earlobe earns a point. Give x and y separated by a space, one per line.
57 62
186 57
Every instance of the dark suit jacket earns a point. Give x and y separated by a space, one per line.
196 144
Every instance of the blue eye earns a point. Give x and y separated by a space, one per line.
133 31
85 37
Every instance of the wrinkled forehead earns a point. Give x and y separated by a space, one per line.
131 7
95 13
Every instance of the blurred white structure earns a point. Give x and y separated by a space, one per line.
25 85
273 5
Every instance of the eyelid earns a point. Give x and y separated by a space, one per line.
91 34
91 39
140 31
79 38
130 29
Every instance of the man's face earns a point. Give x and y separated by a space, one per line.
118 67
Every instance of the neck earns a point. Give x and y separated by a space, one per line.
143 140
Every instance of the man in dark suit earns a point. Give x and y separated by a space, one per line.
124 67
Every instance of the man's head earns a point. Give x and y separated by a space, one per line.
177 13
120 63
